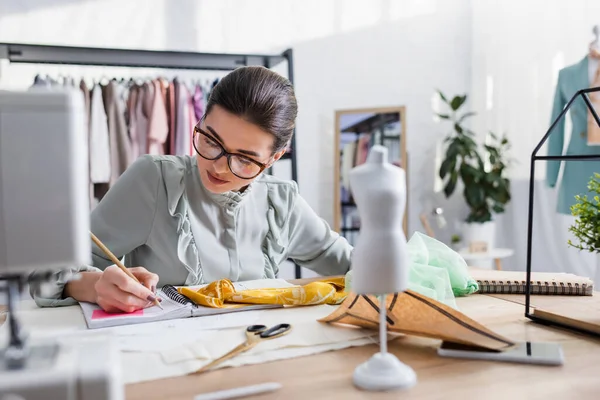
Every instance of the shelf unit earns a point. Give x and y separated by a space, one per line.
375 126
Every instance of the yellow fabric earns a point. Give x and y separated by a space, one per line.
222 293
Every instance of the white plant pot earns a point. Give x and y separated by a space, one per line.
480 232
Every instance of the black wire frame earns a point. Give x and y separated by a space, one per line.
573 157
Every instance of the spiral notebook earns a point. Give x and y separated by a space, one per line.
175 305
544 283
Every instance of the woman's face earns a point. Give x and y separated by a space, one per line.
235 135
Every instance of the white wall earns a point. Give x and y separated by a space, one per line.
348 53
394 63
519 46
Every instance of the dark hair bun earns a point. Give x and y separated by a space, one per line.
260 96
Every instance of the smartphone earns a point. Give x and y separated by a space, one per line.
524 352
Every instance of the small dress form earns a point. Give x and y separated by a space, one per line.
380 262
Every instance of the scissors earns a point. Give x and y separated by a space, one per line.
254 335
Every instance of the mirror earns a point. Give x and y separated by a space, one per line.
356 131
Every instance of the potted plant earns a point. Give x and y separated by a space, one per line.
587 218
480 168
455 240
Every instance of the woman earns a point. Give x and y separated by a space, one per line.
193 220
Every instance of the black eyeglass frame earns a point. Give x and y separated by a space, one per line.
226 154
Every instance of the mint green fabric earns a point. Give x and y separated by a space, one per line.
436 271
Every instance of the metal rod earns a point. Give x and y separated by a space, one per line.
289 55
529 237
383 324
568 157
561 115
43 54
591 108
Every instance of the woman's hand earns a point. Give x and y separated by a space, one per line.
117 292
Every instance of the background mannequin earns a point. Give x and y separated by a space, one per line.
576 174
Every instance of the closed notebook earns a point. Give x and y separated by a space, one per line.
542 283
175 305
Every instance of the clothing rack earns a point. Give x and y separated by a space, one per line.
95 56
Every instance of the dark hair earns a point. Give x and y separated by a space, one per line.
260 96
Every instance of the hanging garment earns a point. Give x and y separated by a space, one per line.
183 133
198 100
141 118
576 174
158 126
86 102
120 145
362 150
99 140
348 153
593 128
172 117
176 85
132 121
192 124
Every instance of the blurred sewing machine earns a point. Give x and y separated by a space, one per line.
44 227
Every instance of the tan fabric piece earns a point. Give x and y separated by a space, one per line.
414 314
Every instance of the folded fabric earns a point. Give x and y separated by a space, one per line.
222 293
436 271
426 252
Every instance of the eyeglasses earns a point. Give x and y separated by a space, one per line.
241 166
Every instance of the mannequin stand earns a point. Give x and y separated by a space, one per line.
383 371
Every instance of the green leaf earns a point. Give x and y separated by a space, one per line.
451 185
475 196
454 149
457 101
444 99
469 175
466 115
444 116
458 129
498 209
446 167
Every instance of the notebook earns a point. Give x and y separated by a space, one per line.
514 282
175 305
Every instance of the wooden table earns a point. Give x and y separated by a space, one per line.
329 375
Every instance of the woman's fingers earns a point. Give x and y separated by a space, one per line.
120 279
111 305
127 298
117 292
146 278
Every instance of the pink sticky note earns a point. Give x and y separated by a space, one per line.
101 314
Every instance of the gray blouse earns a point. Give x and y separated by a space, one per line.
160 216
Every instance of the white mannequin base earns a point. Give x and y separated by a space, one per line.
384 371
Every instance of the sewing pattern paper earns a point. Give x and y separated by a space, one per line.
414 314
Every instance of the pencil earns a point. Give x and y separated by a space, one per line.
118 263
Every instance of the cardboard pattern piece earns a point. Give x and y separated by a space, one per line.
414 314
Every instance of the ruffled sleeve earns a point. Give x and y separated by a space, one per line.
178 207
298 233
